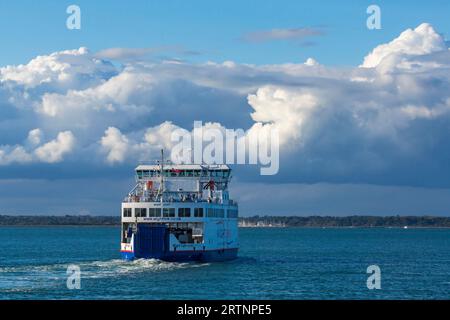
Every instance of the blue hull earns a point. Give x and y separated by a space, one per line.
185 256
126 255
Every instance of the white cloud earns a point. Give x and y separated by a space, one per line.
54 150
160 136
115 144
70 67
123 92
422 40
370 123
141 146
35 137
311 62
287 109
16 154
34 151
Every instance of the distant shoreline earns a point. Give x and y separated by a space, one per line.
292 227
59 225
413 222
347 221
347 227
66 220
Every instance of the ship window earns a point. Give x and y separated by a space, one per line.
127 212
184 212
154 212
232 213
168 212
198 212
215 213
140 212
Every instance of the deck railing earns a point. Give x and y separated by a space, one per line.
135 199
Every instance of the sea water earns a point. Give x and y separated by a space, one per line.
273 263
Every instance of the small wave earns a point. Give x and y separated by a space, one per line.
244 260
99 269
27 277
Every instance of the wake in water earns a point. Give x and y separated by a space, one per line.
30 277
102 269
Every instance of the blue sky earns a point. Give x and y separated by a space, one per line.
363 124
211 29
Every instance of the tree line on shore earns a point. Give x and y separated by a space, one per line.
287 221
348 221
77 220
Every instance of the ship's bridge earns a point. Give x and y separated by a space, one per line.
181 182
220 171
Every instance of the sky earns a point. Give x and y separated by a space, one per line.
204 30
363 115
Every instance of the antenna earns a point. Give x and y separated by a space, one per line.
162 177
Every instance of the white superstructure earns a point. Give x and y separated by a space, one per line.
180 212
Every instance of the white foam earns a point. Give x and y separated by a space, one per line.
27 277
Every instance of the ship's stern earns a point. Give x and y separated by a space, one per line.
127 251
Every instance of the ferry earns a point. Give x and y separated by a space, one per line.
180 212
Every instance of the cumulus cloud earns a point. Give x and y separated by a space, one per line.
124 92
34 151
15 154
381 122
141 146
311 62
54 150
285 108
64 68
160 136
35 137
115 144
419 41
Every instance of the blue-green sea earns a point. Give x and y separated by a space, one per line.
273 263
